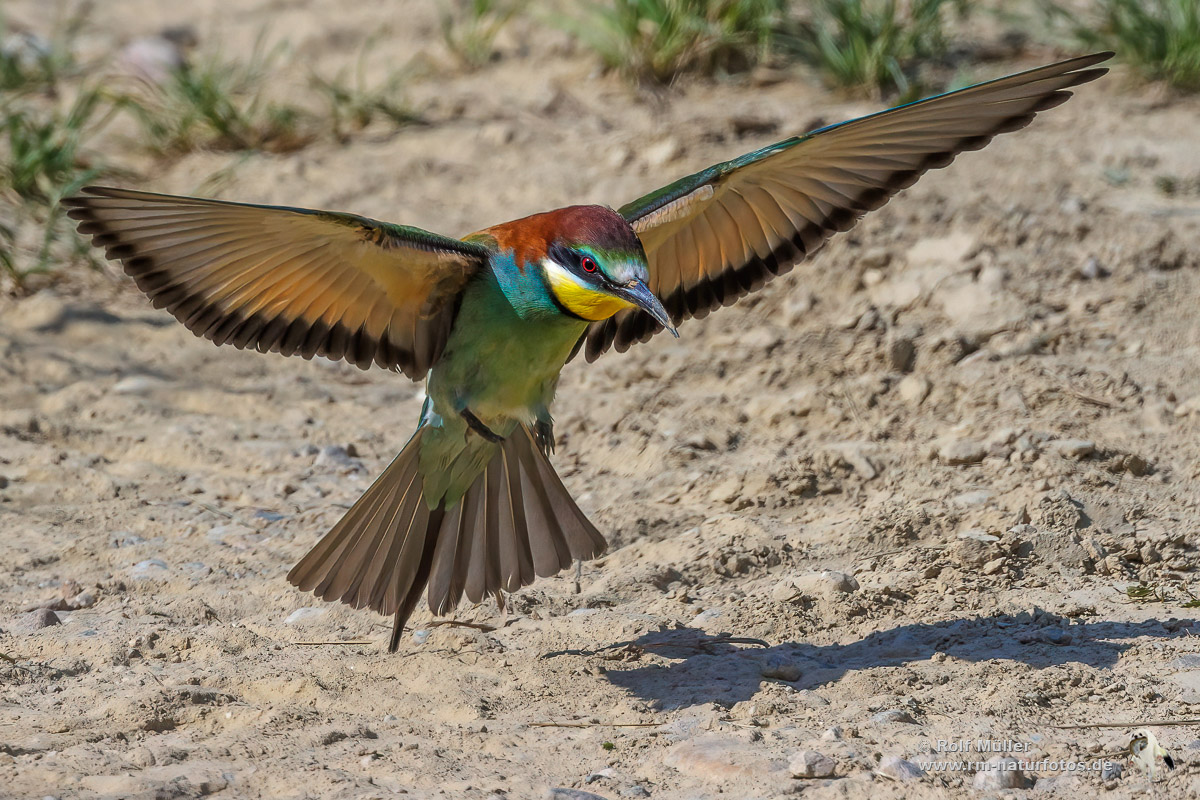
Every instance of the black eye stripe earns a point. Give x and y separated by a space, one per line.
574 260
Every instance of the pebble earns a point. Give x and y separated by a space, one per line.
150 568
637 790
993 566
779 668
811 764
814 584
913 389
559 793
41 618
901 353
662 153
1092 270
719 758
892 715
608 773
304 615
898 769
1188 407
1056 636
138 385
974 548
152 58
962 451
1072 448
337 458
1112 770
1001 772
83 600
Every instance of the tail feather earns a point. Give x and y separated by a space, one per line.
515 522
547 542
449 544
516 560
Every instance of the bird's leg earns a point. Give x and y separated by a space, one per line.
475 424
543 434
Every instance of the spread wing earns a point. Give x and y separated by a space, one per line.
722 233
287 280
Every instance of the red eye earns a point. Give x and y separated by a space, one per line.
588 264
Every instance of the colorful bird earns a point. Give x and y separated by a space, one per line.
471 505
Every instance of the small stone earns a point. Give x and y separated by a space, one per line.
901 353
1111 771
1056 636
779 668
605 774
974 548
1188 407
811 764
897 769
83 600
722 758
1000 772
3 482
559 793
1135 465
1093 270
302 615
150 568
152 58
834 734
139 385
875 258
814 584
662 153
1072 448
913 389
993 566
893 715
43 618
637 790
336 458
957 452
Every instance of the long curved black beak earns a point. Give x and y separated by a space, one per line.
640 295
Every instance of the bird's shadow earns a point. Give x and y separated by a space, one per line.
705 668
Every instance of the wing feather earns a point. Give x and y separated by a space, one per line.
288 280
721 233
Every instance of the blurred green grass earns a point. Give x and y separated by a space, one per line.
654 41
1159 39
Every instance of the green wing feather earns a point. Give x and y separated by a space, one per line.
722 233
287 280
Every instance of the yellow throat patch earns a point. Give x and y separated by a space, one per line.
581 299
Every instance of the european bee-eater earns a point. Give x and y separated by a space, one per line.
471 505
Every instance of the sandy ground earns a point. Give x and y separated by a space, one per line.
894 500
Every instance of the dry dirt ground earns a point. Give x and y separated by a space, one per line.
895 499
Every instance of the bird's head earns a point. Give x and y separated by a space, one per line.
589 259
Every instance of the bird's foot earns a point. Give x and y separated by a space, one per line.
475 424
543 434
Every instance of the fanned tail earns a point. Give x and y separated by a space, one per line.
515 522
